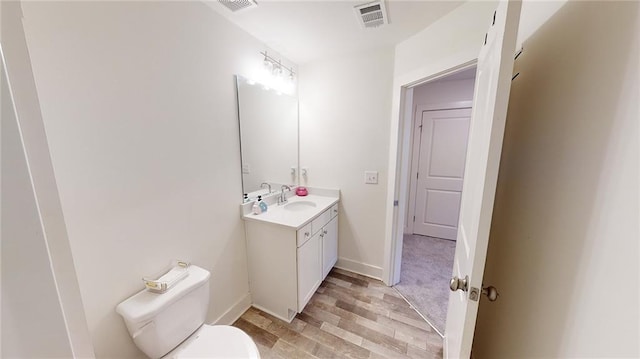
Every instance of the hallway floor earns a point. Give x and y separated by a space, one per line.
350 316
427 264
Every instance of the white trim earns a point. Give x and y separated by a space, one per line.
399 161
413 167
367 270
445 346
237 309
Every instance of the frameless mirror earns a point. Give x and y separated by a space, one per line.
268 138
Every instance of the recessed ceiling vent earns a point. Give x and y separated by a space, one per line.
237 5
372 14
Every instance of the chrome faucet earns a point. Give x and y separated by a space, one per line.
283 196
265 183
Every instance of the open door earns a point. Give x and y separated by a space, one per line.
491 96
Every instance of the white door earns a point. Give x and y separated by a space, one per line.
309 269
443 149
329 246
493 82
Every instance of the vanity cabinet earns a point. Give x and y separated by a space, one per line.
288 264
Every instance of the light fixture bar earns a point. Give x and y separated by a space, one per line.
277 62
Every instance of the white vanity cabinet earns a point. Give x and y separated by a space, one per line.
288 263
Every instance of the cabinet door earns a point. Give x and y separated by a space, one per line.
329 246
309 269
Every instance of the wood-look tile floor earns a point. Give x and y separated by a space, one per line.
350 316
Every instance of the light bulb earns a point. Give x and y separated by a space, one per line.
267 64
277 70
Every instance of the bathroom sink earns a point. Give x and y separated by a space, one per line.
299 206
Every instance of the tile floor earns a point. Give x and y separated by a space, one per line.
350 316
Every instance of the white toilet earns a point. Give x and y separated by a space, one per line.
171 324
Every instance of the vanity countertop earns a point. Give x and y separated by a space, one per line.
295 219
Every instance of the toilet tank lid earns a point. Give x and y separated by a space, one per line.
146 304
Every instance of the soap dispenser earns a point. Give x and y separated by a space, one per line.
263 206
255 209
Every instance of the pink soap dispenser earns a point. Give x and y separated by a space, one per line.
302 191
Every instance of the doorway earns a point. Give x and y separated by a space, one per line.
438 143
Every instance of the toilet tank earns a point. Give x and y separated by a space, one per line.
159 322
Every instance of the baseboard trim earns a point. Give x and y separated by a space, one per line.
275 314
360 268
237 309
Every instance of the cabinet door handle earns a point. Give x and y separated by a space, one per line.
306 234
322 235
324 232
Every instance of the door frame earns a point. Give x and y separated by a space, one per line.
415 149
400 159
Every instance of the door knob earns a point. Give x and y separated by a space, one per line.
459 284
491 292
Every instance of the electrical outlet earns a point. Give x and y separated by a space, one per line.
371 177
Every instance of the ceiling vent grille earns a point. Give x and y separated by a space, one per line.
372 14
237 5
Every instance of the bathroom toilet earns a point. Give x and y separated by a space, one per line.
216 341
171 324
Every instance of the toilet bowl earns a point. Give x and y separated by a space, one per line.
216 341
171 324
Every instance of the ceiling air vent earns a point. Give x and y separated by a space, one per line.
372 14
237 5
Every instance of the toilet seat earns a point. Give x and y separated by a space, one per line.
217 341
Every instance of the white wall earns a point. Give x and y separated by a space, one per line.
443 92
32 320
39 215
454 39
138 102
344 123
565 239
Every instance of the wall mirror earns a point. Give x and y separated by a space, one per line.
268 138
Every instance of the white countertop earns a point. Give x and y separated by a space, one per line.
294 219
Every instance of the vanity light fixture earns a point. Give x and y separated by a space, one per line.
277 68
274 75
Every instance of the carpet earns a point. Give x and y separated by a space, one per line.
427 265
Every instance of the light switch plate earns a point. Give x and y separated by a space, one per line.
371 177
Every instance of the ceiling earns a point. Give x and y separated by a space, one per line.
305 30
